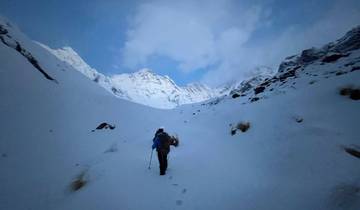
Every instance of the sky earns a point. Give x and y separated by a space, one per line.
208 41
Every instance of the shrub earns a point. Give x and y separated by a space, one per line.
79 182
242 126
345 91
353 93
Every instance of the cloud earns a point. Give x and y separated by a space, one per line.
226 39
195 34
291 39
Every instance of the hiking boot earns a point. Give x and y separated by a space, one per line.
162 173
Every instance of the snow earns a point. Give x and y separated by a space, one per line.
143 87
46 141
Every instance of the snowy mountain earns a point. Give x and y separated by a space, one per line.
143 87
255 77
300 149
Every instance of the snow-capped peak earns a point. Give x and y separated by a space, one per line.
144 86
69 56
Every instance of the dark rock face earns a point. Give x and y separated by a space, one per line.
289 62
355 68
290 73
235 95
292 66
311 55
333 57
351 41
329 53
254 99
8 41
259 89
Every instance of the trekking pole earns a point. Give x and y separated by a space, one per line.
150 159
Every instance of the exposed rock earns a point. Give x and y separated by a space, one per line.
298 119
104 126
311 55
351 41
333 57
10 43
235 95
352 151
254 99
355 68
259 89
287 74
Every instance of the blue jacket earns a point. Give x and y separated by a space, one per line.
156 143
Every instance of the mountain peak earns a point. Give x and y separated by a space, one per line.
143 86
145 71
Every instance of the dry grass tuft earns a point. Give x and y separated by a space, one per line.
79 182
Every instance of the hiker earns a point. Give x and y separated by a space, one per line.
162 142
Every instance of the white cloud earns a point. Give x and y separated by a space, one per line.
217 36
333 24
196 35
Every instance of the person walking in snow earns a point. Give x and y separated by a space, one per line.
162 142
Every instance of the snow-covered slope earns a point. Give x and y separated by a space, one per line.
148 88
255 77
299 152
144 87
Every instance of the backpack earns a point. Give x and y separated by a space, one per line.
164 141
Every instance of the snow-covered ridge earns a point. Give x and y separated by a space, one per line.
144 87
68 55
333 59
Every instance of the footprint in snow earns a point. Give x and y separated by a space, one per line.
170 177
179 202
175 184
184 191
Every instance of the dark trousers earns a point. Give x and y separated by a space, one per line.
162 156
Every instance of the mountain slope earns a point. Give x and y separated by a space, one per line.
144 86
279 163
